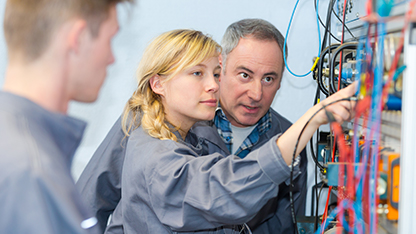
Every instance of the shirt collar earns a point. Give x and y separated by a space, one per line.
225 132
263 125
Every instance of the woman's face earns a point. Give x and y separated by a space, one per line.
192 95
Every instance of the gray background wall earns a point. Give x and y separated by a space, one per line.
149 18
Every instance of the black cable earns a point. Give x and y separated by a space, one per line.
319 76
348 45
329 24
340 20
318 197
342 42
328 21
323 25
325 50
345 26
315 157
317 97
316 200
292 204
315 101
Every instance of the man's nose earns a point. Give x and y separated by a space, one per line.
255 91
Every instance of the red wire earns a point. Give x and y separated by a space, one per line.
369 7
342 42
326 209
345 157
339 86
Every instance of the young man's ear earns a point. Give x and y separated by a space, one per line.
156 85
78 33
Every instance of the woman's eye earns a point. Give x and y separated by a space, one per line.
244 75
197 73
217 76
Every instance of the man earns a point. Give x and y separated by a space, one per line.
58 51
253 64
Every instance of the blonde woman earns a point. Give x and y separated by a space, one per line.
174 181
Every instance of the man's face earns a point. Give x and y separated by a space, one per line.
95 56
251 78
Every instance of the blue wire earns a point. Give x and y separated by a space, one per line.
330 217
347 204
359 194
287 32
360 58
399 71
376 122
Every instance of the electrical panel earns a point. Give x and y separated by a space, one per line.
362 161
355 11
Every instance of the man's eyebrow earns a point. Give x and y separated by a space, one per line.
244 68
271 74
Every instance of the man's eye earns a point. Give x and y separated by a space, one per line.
244 75
268 79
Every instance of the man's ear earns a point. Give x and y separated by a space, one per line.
220 60
77 35
156 85
222 67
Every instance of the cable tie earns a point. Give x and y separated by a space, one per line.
316 63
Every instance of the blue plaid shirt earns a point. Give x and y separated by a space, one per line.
224 129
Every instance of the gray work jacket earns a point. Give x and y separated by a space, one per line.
170 187
276 216
37 192
100 182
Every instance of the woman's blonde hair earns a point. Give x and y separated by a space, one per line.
166 56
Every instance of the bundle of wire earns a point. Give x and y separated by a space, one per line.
357 185
319 62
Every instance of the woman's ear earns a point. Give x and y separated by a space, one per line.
156 85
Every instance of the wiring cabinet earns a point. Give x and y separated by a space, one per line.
369 163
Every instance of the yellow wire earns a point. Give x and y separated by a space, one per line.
314 65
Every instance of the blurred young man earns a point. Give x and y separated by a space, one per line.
58 51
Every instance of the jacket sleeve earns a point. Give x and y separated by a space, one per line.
100 182
190 192
276 215
43 202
